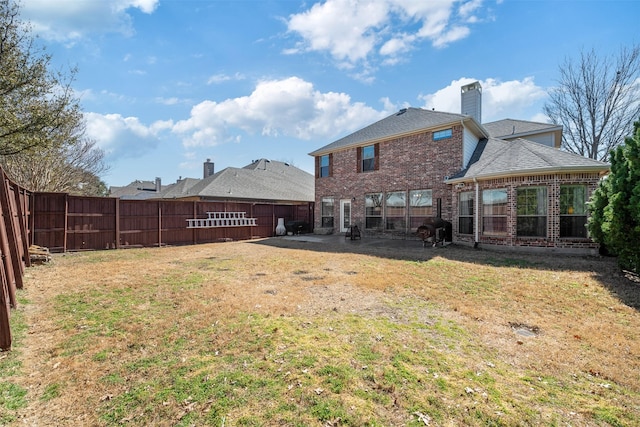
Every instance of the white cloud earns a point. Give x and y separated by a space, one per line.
71 20
500 100
169 101
122 136
221 78
345 28
354 32
289 107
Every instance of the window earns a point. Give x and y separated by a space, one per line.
420 207
442 134
368 158
465 212
494 211
532 212
325 166
327 211
396 210
373 211
573 211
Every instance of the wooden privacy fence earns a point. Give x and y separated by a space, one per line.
62 222
14 238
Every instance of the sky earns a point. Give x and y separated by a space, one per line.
167 84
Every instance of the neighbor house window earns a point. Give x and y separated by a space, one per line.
368 158
532 212
396 210
494 211
442 134
325 165
465 212
573 211
420 207
373 211
327 212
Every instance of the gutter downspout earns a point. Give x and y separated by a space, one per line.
477 214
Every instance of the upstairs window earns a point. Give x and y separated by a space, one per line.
442 134
323 166
368 158
573 211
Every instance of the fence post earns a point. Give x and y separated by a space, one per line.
159 224
66 222
22 223
5 310
8 276
117 222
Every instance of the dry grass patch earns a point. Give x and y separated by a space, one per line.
277 332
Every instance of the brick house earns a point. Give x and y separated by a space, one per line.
497 188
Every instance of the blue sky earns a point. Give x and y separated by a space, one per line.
166 84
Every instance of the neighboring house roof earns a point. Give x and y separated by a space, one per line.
135 190
178 189
405 122
261 180
510 128
494 158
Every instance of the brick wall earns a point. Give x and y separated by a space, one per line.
413 162
552 182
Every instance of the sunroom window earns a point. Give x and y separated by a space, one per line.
494 211
573 211
532 212
465 212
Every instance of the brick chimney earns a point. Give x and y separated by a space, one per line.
471 101
208 168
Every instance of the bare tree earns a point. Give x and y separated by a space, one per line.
596 101
66 168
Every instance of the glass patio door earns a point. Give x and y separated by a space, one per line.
345 215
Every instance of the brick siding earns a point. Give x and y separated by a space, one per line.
552 182
413 162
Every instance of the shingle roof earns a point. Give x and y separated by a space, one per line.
405 121
134 190
496 157
178 189
260 180
510 128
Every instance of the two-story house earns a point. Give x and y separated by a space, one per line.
497 186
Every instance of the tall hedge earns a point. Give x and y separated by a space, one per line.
615 205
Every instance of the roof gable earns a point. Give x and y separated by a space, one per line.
405 121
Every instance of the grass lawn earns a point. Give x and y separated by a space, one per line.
277 332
